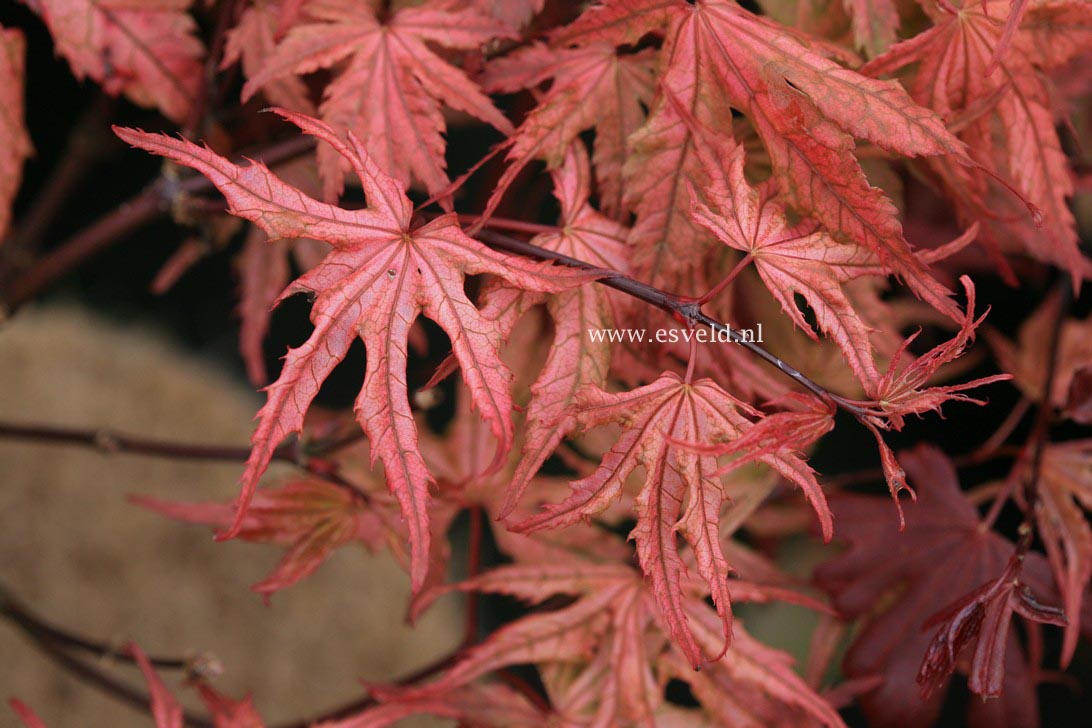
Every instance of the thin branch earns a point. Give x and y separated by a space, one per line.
112 227
86 144
109 442
682 309
38 629
57 650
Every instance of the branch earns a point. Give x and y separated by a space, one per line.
39 630
87 143
55 643
685 310
112 227
109 442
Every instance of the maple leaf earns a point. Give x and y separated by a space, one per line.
145 50
574 359
943 555
1014 132
380 276
654 417
598 655
312 517
984 614
251 43
593 87
263 268
902 391
791 259
15 144
805 107
390 87
513 13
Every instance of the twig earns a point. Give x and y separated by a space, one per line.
682 309
112 227
56 649
84 146
110 442
360 704
38 629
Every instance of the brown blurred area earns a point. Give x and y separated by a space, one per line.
79 556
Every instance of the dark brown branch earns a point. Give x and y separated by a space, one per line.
40 630
226 17
56 645
110 442
112 227
685 310
86 144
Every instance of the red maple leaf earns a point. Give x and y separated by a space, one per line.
792 260
1026 358
599 656
654 418
389 85
311 517
594 86
145 50
1065 489
874 24
941 559
251 43
382 273
805 107
989 77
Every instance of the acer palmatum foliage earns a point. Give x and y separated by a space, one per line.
795 168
